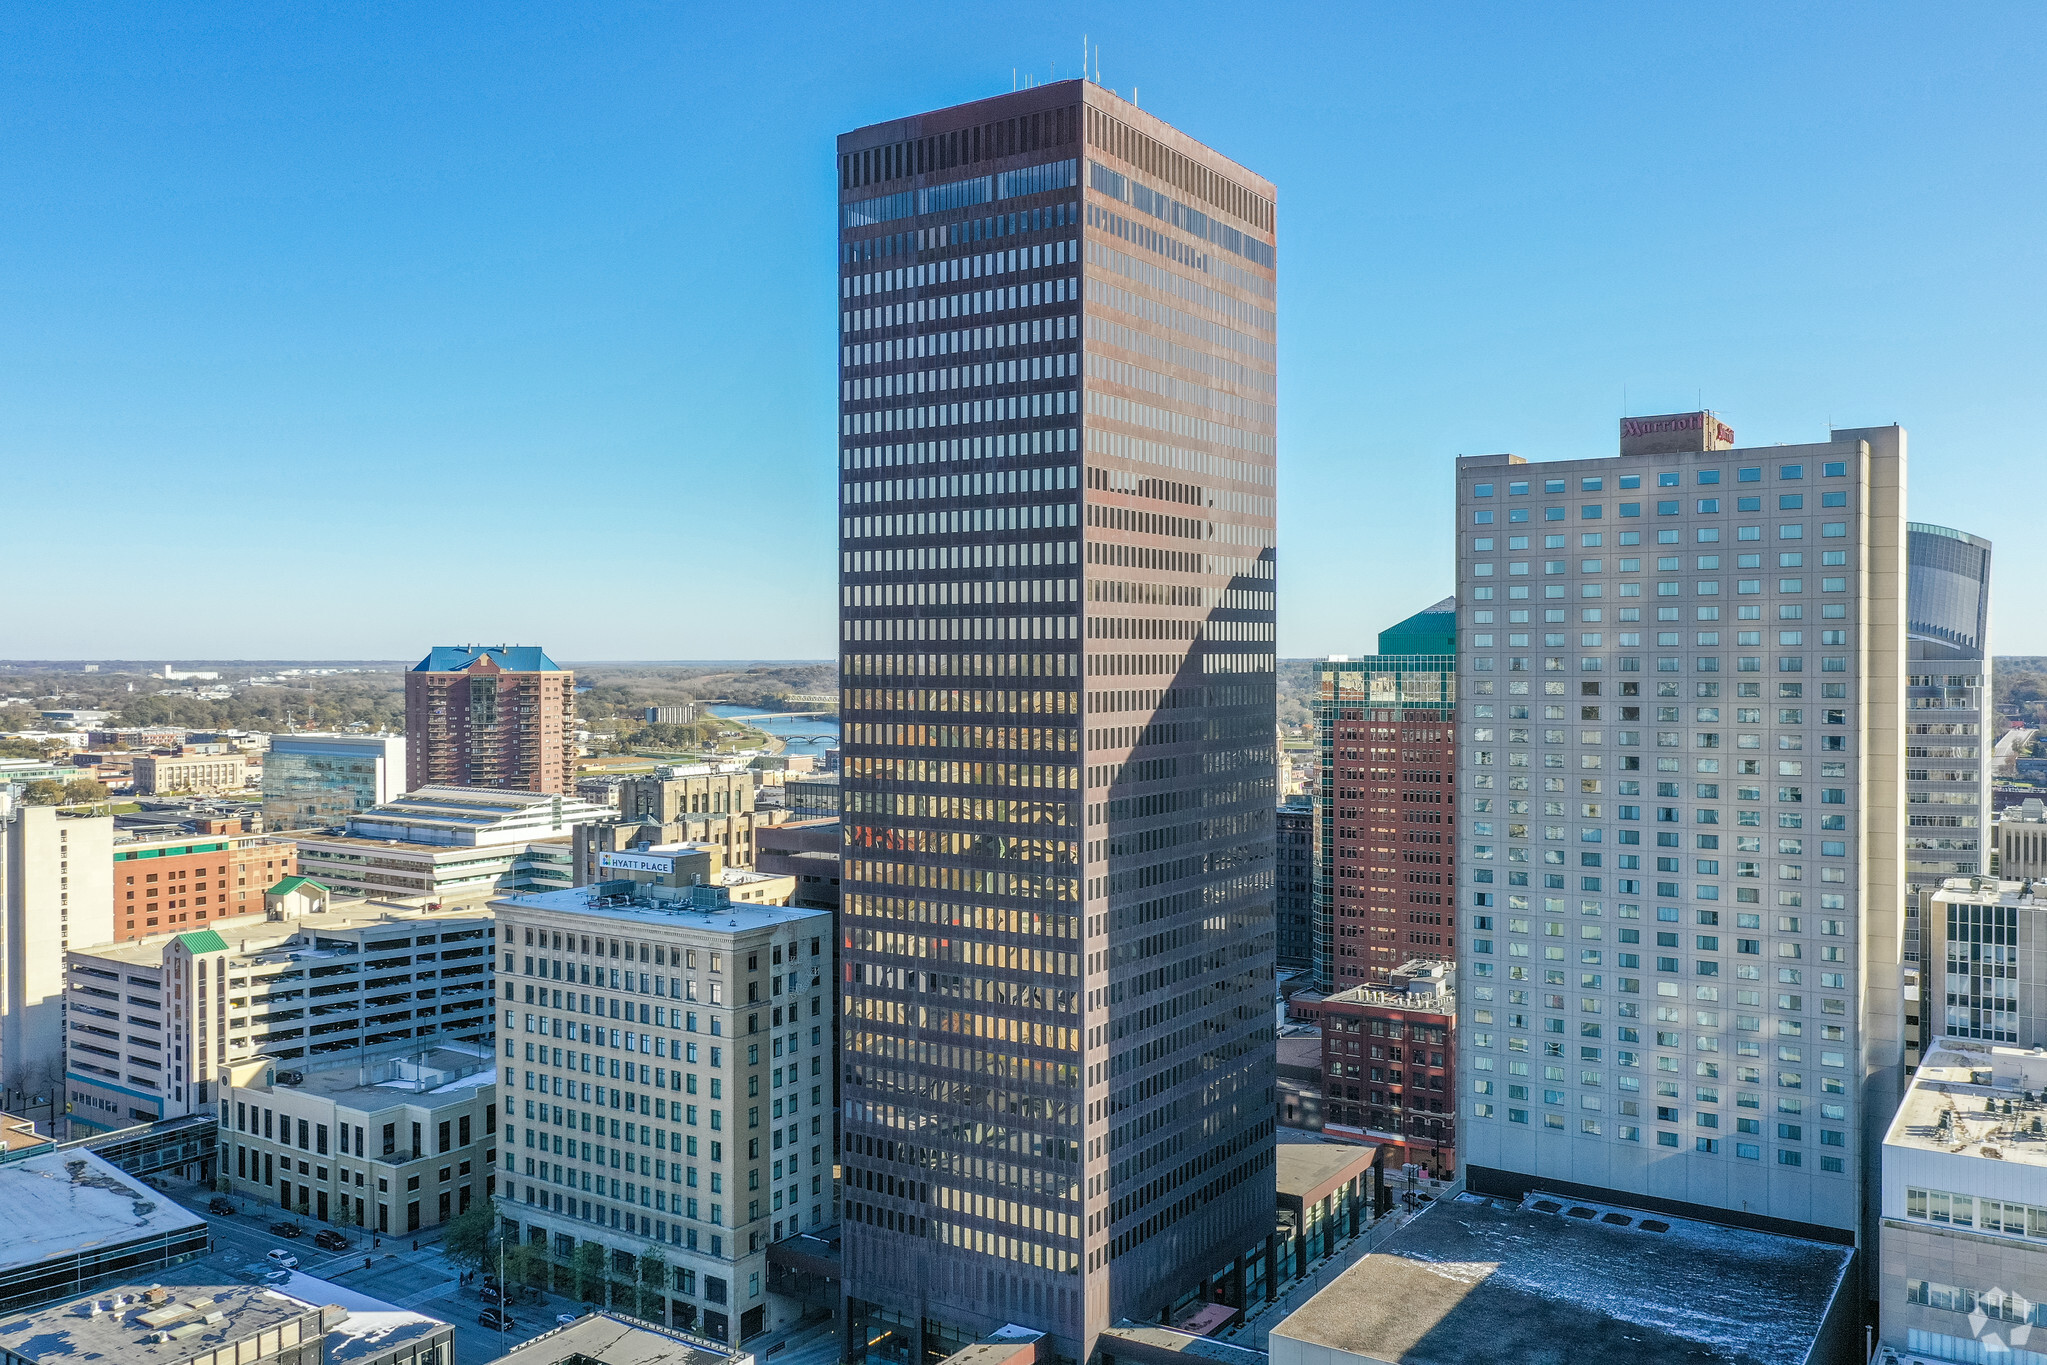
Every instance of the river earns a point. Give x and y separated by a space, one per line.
799 734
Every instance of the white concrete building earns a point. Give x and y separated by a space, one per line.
1964 1189
58 875
1681 835
668 1086
152 1022
476 817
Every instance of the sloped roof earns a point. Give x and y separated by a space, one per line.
291 884
511 658
204 941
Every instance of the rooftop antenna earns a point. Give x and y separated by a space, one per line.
1083 56
1098 81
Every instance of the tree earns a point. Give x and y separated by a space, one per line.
527 1265
82 790
653 1285
43 792
471 1235
344 1215
589 1267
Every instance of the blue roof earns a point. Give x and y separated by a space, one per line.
511 658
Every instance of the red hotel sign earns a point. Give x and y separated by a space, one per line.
1688 421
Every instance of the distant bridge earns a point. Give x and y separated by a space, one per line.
777 715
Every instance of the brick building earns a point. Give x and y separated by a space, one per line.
1388 803
163 881
490 716
1389 1063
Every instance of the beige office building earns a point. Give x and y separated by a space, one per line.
1680 859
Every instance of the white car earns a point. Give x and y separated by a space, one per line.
563 1319
284 1258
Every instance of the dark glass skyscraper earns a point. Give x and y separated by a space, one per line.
1056 456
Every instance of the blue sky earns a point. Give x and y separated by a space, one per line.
344 330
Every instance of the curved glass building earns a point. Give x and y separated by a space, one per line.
1948 722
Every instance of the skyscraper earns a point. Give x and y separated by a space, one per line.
1681 858
490 716
1057 653
1947 771
1388 807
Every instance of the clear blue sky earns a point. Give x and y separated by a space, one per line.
346 330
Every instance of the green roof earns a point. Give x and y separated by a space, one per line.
291 884
1433 630
204 941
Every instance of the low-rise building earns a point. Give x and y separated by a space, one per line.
393 1139
809 851
151 1022
605 1339
163 774
192 1315
69 1222
1389 1063
1483 1279
388 869
1964 1228
163 881
475 817
684 714
671 1088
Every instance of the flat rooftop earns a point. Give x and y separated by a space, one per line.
1991 891
59 1202
1948 1107
203 1313
1308 1169
1480 1281
394 1076
617 1341
644 907
256 937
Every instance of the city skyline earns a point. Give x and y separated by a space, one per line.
357 293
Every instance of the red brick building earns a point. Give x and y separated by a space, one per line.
167 882
1389 1064
500 716
1388 804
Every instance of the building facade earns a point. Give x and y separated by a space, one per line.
164 882
1057 452
318 781
480 716
2022 841
1389 1064
56 872
1949 717
150 1023
1964 1186
689 1109
1293 884
1682 861
162 774
392 1140
1387 810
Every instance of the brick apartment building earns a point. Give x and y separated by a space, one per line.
490 716
1389 1063
1388 804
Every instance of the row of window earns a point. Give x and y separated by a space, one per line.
1483 516
1832 469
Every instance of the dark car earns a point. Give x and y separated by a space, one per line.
287 1230
331 1240
218 1205
496 1319
492 1294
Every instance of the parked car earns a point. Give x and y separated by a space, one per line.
492 1294
218 1205
496 1319
564 1319
331 1240
284 1258
286 1230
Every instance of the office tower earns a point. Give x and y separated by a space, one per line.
667 1090
1681 677
1057 656
1293 892
2022 841
57 874
490 716
317 781
1949 720
1383 890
